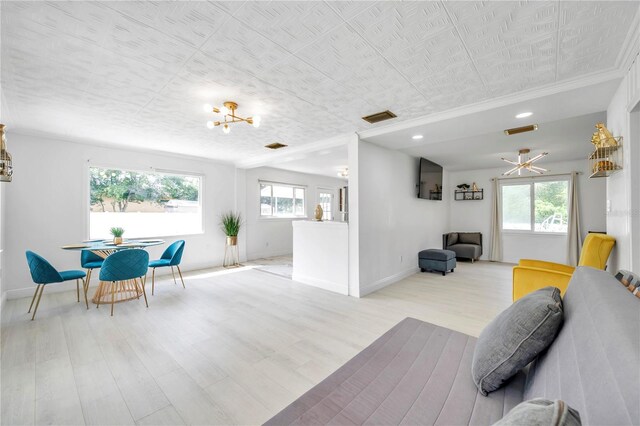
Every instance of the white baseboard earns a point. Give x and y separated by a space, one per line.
266 254
377 285
326 285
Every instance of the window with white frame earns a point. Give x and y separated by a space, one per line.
145 204
325 199
282 200
539 206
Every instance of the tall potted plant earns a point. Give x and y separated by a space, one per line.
231 223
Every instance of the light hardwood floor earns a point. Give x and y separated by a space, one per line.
235 347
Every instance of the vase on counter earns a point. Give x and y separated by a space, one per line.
319 213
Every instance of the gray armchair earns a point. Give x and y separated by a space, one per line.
466 245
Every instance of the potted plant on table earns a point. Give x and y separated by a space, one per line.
230 223
117 233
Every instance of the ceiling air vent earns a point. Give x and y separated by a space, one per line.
379 116
523 129
275 145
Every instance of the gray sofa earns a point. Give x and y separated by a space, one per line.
466 245
420 373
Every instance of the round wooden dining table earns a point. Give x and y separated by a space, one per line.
127 290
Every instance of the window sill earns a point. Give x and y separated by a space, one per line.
163 237
276 218
534 233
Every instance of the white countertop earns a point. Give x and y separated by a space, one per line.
297 223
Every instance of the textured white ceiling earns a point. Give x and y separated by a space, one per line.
137 73
326 161
566 139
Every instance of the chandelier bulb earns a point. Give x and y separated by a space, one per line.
207 107
224 110
210 125
256 121
226 129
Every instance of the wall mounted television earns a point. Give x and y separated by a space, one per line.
430 180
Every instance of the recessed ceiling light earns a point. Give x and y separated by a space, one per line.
416 137
524 115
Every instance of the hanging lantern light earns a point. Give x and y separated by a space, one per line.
6 168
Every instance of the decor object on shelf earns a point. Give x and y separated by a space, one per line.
231 222
476 195
606 158
602 137
531 275
117 233
524 162
318 213
474 187
437 260
228 112
467 245
463 186
6 167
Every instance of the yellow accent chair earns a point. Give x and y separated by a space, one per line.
531 275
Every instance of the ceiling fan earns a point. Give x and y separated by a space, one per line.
524 162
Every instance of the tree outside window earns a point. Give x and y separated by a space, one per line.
140 201
535 206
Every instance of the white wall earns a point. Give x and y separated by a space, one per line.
470 216
274 236
46 204
394 225
623 188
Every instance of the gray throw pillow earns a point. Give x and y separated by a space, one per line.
541 412
452 239
515 338
469 238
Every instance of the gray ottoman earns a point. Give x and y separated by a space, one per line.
437 260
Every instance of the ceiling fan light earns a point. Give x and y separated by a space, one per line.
226 129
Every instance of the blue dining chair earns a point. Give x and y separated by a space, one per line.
43 273
90 261
121 266
172 256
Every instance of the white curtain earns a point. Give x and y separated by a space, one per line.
496 224
574 238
